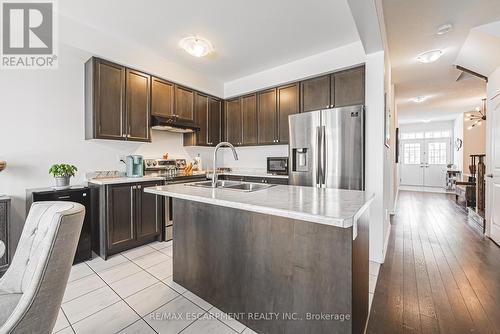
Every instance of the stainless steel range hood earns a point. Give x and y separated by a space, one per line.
173 124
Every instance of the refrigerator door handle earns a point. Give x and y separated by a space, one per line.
319 176
323 156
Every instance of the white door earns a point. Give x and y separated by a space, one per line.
412 166
436 157
493 170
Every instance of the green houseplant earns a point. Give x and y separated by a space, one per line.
62 173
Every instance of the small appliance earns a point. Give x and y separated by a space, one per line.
277 165
135 165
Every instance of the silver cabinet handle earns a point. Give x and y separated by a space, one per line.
63 197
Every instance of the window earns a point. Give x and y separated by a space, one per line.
427 135
411 154
437 153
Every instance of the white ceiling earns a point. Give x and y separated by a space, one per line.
248 36
411 28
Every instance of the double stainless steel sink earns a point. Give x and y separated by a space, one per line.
233 185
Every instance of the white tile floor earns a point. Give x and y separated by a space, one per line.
133 292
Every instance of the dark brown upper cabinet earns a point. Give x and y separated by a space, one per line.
267 116
316 94
201 118
233 123
288 104
249 119
104 100
214 121
138 105
184 103
162 97
349 87
117 102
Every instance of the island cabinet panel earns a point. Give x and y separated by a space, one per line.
120 213
5 234
184 103
288 104
105 100
316 94
233 121
214 121
249 119
267 116
138 104
349 87
162 97
246 262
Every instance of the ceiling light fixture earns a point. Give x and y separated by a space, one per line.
429 56
477 116
444 29
419 99
196 46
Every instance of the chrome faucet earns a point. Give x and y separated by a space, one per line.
215 177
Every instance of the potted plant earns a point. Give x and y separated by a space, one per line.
62 173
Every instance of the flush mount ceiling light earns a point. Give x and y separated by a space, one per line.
419 99
444 29
196 46
429 56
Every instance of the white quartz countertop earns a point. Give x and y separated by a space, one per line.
117 180
335 207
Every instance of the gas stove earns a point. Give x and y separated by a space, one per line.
171 170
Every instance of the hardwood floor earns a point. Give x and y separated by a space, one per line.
440 275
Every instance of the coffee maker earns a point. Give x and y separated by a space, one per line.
135 165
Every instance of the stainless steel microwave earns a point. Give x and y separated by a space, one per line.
277 165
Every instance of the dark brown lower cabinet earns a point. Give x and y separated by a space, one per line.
128 217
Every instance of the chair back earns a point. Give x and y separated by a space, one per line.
41 265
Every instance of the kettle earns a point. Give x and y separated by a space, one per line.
135 165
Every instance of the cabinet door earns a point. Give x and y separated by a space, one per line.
233 121
109 98
138 105
349 87
162 98
267 116
249 119
184 103
214 121
316 93
201 118
288 104
120 216
149 212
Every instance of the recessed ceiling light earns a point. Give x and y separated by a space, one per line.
429 56
196 46
419 99
444 29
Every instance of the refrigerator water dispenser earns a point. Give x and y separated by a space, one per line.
299 163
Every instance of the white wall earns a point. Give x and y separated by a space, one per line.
375 154
343 57
458 133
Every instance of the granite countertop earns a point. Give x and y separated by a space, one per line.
124 179
335 207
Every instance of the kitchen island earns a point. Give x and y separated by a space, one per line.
285 259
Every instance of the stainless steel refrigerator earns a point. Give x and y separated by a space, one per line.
327 148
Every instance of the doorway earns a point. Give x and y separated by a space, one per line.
425 156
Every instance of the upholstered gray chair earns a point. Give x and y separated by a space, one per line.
32 289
